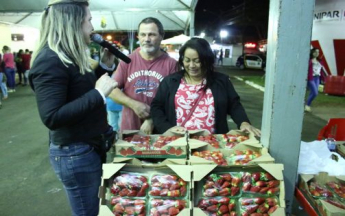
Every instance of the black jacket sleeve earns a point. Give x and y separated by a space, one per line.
51 85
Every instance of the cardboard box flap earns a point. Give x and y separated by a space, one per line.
183 171
331 208
174 132
132 161
194 144
105 211
322 178
198 212
184 212
110 169
263 159
174 161
282 198
199 160
276 170
200 171
341 178
198 133
178 142
307 177
279 212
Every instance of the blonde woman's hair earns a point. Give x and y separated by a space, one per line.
61 30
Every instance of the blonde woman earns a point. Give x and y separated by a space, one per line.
71 101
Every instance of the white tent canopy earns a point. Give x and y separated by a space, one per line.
120 15
179 39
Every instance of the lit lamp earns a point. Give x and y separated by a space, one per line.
223 34
202 35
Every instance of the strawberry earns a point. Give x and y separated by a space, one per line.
224 192
139 202
172 150
271 201
231 205
264 190
234 190
246 177
124 192
255 189
272 209
118 208
265 176
273 183
233 213
132 193
173 211
143 189
183 190
208 184
224 200
251 208
225 184
260 183
175 186
211 192
273 191
226 177
164 192
256 176
115 189
174 193
222 209
235 181
263 208
129 210
246 187
180 204
212 208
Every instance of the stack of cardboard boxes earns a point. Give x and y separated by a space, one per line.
198 174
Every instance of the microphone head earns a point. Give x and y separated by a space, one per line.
96 38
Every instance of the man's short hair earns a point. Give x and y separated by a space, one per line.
155 21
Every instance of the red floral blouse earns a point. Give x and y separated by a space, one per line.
203 116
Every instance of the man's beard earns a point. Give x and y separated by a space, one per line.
150 49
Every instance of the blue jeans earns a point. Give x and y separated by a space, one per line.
79 168
114 119
313 86
11 82
3 85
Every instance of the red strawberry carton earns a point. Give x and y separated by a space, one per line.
218 206
124 206
200 173
171 207
318 190
137 176
244 154
136 144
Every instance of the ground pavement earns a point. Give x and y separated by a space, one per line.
28 185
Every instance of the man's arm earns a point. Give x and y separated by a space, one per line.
141 109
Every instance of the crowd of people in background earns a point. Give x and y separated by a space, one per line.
10 65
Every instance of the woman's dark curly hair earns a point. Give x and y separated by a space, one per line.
206 57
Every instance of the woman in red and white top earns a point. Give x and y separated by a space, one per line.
197 97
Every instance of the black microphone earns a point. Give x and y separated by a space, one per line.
98 39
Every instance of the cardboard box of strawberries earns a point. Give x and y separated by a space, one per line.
238 191
326 193
145 191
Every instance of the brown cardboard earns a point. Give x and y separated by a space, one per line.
168 151
321 178
109 170
200 146
276 170
137 162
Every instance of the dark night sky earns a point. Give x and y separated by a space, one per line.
250 18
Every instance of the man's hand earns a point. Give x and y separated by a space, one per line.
246 127
147 126
107 57
141 109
